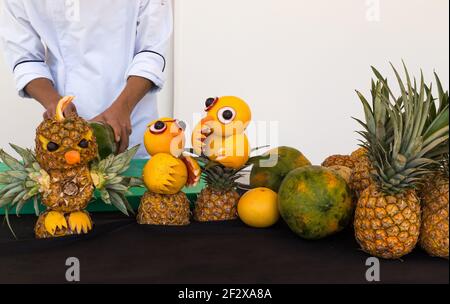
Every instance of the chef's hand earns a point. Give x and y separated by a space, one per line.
118 117
44 92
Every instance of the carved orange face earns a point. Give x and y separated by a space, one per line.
165 135
226 116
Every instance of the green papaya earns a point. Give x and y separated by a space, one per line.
104 135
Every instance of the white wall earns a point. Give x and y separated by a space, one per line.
298 62
19 117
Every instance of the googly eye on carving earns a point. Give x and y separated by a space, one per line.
226 115
158 127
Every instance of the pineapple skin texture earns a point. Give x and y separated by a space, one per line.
339 160
387 226
361 177
214 205
434 235
164 210
67 134
70 190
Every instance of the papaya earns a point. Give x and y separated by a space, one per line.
104 135
315 202
276 164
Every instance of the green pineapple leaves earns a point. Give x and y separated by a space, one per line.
405 136
108 178
24 180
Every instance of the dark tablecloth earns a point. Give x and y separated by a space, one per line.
120 251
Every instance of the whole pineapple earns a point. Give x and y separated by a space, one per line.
434 234
399 149
218 201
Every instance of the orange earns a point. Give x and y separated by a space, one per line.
258 208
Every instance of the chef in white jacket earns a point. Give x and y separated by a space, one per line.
110 54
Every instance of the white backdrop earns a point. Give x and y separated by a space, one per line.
295 61
298 62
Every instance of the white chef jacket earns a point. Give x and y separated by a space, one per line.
88 48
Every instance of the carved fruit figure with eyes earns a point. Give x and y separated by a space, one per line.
220 134
220 141
63 171
165 175
64 148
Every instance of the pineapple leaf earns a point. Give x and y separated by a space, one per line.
9 187
10 161
36 205
9 223
26 154
7 179
118 202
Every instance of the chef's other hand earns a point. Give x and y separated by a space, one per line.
118 117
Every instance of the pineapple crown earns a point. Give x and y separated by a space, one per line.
403 139
222 178
217 176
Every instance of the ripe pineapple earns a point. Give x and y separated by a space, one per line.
434 235
399 148
164 209
361 177
218 201
339 160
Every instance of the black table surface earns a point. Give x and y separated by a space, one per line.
119 250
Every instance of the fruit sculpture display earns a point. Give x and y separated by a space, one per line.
165 175
258 208
223 151
63 172
315 202
402 143
274 167
434 234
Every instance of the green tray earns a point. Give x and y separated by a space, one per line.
97 205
